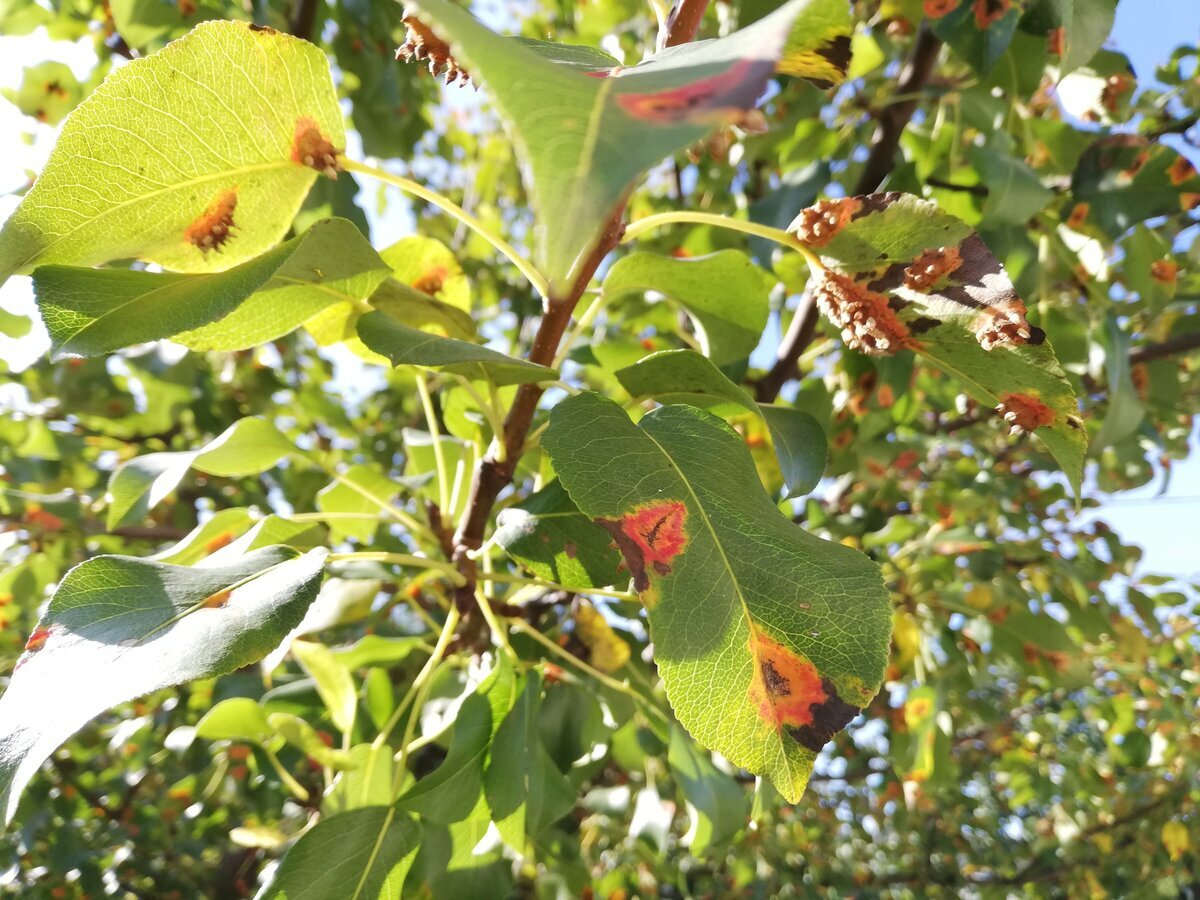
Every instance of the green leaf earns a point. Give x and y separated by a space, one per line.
366 782
89 312
183 158
408 346
359 490
334 684
979 32
450 792
13 325
297 732
209 537
1124 179
48 92
716 804
235 719
1085 23
586 132
800 447
374 650
725 293
525 791
768 639
548 535
247 447
1015 193
119 627
905 275
361 854
684 376
1125 409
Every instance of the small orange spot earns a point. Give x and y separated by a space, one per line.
648 344
211 228
868 324
6 599
906 460
224 539
239 752
1180 171
217 600
681 253
1115 88
38 639
1024 412
988 12
1165 271
1139 374
311 148
935 9
755 440
819 224
1078 216
39 518
931 267
1189 201
1056 41
187 8
885 397
431 281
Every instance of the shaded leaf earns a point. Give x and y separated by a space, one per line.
548 535
768 639
407 346
119 627
363 853
716 804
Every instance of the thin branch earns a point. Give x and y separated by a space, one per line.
684 21
493 473
1182 344
892 120
304 19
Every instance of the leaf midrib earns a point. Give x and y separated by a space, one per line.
732 575
183 185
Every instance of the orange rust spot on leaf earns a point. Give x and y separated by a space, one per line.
1024 412
1115 87
1180 171
931 267
211 228
1189 201
935 9
217 600
187 8
820 223
224 539
1005 325
311 148
651 535
987 12
1139 374
792 696
432 280
1165 271
39 518
1078 216
38 639
421 43
868 324
1056 41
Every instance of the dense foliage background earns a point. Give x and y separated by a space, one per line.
1037 730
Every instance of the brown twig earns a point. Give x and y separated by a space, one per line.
493 473
1182 344
892 119
684 21
304 19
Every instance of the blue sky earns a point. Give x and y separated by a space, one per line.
1146 31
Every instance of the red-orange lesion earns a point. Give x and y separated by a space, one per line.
211 229
310 147
820 223
785 686
987 12
649 537
38 639
1024 412
1180 171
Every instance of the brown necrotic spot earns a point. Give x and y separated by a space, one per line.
652 534
1024 412
311 148
989 11
421 43
868 323
931 267
935 9
793 697
262 29
1180 171
817 225
836 52
211 229
923 324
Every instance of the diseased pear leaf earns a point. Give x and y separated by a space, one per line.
120 627
768 639
402 345
586 132
903 275
196 157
